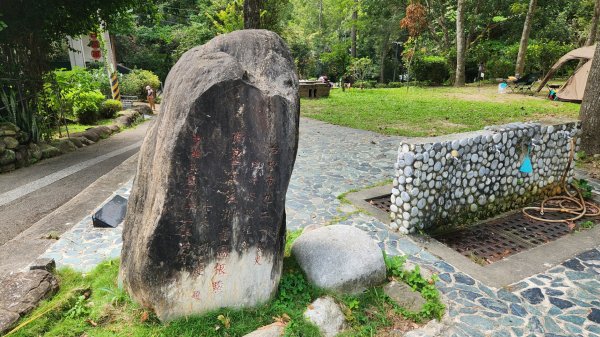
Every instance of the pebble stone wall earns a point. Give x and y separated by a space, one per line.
458 179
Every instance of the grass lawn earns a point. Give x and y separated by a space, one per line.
418 112
93 305
76 127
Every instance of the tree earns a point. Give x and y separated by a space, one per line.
252 9
361 68
459 80
33 27
353 30
591 38
520 67
590 109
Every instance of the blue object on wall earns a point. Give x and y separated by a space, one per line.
526 165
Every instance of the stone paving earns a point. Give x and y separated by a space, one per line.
563 301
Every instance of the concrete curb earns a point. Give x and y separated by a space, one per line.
19 252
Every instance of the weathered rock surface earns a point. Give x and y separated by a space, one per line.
21 292
327 315
205 224
404 296
8 157
10 142
143 109
340 258
34 151
271 330
103 131
126 118
76 141
49 151
64 145
90 134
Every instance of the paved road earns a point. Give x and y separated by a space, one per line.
29 194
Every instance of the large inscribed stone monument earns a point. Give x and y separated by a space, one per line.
205 224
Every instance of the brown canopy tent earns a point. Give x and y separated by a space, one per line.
572 90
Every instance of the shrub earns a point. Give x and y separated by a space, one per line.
499 68
364 84
71 84
134 83
433 69
381 85
110 107
395 85
87 106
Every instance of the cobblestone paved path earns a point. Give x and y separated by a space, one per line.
563 301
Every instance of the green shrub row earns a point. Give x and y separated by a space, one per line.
81 93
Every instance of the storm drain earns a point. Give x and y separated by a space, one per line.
496 239
383 202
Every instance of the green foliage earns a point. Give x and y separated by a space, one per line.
364 84
86 105
361 68
334 63
110 107
79 308
587 225
229 15
395 85
73 92
433 308
584 187
94 305
431 68
22 113
136 81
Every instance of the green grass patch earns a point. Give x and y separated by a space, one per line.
76 127
417 112
93 305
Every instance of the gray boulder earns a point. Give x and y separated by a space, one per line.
21 292
272 330
205 224
64 145
327 316
7 157
49 151
10 142
340 258
404 296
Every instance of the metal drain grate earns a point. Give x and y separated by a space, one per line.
383 202
494 240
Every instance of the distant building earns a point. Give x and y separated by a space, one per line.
91 48
86 49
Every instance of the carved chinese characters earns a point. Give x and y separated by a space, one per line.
205 227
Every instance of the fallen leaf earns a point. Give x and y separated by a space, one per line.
571 225
311 307
92 323
144 317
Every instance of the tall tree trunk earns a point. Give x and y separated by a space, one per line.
459 80
353 29
384 50
252 14
520 67
590 109
591 39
